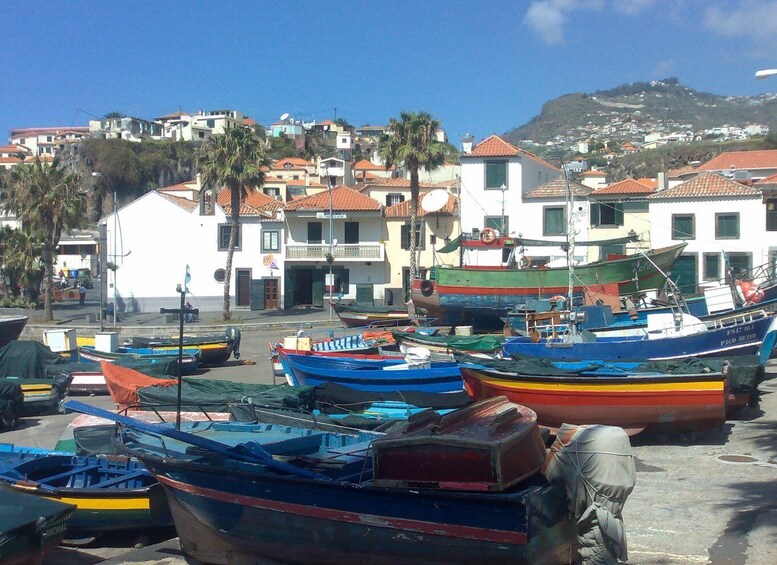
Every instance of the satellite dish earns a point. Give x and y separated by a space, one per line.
434 200
284 116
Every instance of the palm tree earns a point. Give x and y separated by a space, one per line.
410 142
233 159
47 201
20 255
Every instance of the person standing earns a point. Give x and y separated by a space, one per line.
81 293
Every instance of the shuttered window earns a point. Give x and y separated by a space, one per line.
405 236
496 174
727 226
683 226
554 220
606 213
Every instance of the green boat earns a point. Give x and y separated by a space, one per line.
481 297
450 343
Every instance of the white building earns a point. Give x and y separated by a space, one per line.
494 178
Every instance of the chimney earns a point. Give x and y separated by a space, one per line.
663 183
466 143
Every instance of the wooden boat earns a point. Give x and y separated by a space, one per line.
190 361
42 395
744 335
634 402
242 504
30 527
449 343
371 375
482 296
11 328
215 349
110 493
354 315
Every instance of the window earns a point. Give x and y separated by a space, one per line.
271 240
224 232
314 232
683 226
740 264
202 135
613 251
294 177
495 223
211 123
496 174
554 220
351 232
273 191
711 266
771 214
432 239
393 198
606 213
405 235
727 226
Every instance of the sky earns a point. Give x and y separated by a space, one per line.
479 66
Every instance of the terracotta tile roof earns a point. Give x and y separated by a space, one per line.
257 202
394 183
185 203
326 123
343 199
495 146
274 180
557 188
45 158
707 184
14 148
38 131
682 171
402 210
593 173
180 186
10 160
766 159
248 122
365 165
650 183
627 186
295 162
770 180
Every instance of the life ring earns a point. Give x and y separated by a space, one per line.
525 262
427 287
740 292
749 293
488 236
558 298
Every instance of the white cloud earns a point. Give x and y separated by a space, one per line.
548 18
754 20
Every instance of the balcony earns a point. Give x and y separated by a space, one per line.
341 251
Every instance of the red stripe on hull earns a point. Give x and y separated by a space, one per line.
435 528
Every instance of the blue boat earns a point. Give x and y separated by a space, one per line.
110 493
239 503
745 335
375 375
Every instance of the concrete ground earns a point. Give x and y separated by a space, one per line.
710 499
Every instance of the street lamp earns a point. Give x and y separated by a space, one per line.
330 256
503 188
115 223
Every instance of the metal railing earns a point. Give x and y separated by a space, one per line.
341 252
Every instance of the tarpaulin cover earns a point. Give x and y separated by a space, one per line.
11 401
332 397
123 383
218 396
150 367
480 343
597 467
27 359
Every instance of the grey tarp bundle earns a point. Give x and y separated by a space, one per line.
597 467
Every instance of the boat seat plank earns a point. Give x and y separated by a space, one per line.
69 473
124 477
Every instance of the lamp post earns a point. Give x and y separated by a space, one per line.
115 234
503 188
331 257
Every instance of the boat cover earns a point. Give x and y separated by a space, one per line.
123 383
597 467
27 359
11 400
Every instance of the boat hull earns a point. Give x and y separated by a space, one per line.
225 516
482 297
635 403
11 328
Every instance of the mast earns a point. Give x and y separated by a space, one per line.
570 233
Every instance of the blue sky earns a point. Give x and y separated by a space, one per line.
478 66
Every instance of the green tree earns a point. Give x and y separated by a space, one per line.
410 142
20 255
233 159
47 201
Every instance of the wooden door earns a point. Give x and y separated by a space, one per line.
243 287
271 294
257 294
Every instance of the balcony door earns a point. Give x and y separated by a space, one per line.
351 232
315 231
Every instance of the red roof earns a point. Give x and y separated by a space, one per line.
765 159
366 165
593 173
402 210
627 186
295 162
255 202
184 203
650 183
682 171
557 188
707 184
343 199
179 187
771 179
394 183
495 146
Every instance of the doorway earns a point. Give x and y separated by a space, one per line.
685 275
271 294
243 287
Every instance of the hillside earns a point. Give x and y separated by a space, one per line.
629 111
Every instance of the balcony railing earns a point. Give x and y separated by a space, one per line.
341 251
